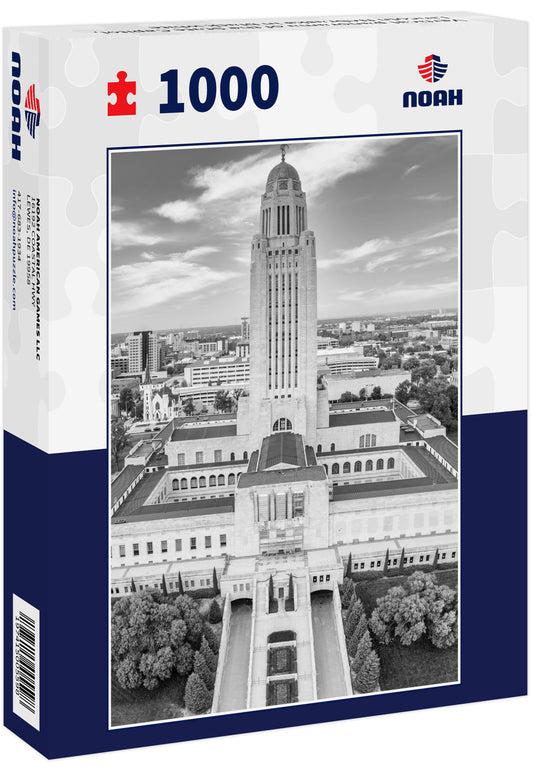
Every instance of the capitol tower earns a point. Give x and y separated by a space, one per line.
283 302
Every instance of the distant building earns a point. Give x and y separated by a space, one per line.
355 381
245 328
356 326
236 371
144 349
343 360
242 349
119 365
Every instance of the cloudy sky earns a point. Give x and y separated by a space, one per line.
384 212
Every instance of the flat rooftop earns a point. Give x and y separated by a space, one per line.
203 433
446 448
361 418
124 480
188 509
388 488
290 475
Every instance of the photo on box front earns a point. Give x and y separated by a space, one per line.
283 422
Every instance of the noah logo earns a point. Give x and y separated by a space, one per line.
32 110
433 70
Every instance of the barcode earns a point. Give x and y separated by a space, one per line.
26 661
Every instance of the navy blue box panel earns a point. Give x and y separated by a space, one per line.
56 558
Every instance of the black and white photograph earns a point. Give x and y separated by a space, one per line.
283 418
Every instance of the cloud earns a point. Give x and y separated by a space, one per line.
179 211
380 254
433 197
403 295
153 282
126 233
410 170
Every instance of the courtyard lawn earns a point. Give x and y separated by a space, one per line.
135 706
421 663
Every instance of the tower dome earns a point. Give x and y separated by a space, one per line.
283 170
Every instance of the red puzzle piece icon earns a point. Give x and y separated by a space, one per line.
121 88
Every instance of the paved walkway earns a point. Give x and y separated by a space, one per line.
329 672
233 688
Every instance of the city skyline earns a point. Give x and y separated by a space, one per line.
183 220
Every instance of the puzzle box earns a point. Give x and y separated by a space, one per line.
265 280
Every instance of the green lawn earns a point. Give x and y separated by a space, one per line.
421 663
139 705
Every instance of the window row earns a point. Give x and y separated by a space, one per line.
171 585
358 466
407 561
199 458
163 545
203 481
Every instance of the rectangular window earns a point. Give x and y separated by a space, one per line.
411 559
443 556
177 544
356 567
193 543
192 582
372 563
164 546
149 548
427 557
328 577
199 457
122 551
321 578
395 562
223 541
208 581
453 554
181 459
136 549
421 558
218 455
315 578
378 564
208 542
362 566
202 583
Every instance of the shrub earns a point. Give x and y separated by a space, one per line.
202 669
367 679
364 647
211 638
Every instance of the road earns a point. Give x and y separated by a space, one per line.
233 688
328 661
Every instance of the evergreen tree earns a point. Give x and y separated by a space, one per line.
360 628
197 697
386 564
436 559
364 647
133 586
356 607
208 654
202 669
401 559
348 592
367 679
164 586
215 582
215 613
180 584
211 638
349 566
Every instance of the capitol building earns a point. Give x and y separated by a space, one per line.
275 498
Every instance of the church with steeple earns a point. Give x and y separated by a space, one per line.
277 498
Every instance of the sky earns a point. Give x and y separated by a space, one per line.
384 213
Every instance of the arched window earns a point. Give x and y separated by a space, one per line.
245 456
203 482
183 483
357 467
335 468
332 447
319 448
346 467
194 483
231 479
366 441
232 456
282 424
221 480
390 463
369 465
212 480
175 484
379 464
